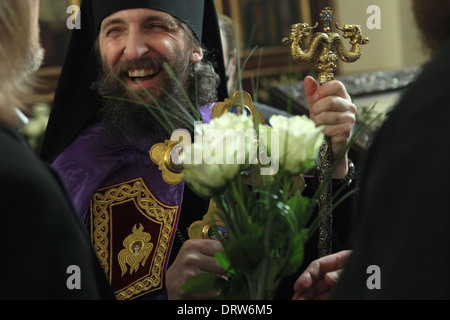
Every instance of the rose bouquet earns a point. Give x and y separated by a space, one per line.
253 174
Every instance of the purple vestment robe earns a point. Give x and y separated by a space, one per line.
92 163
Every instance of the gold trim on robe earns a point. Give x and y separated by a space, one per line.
132 231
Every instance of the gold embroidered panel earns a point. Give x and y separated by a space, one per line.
132 231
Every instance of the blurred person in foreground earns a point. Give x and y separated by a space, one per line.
45 251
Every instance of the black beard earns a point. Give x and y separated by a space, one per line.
122 117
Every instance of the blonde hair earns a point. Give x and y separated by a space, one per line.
15 56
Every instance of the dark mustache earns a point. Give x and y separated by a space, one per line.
143 63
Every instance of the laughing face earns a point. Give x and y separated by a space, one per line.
135 43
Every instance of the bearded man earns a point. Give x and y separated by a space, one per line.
159 53
101 145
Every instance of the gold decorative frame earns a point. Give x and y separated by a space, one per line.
102 227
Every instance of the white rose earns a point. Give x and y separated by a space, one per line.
298 142
221 150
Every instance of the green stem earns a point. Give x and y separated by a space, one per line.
243 216
262 281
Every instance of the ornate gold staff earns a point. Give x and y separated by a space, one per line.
324 49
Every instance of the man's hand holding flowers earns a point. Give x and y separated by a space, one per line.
195 257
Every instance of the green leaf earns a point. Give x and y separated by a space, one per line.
272 275
297 255
299 248
298 203
244 253
302 208
203 282
224 262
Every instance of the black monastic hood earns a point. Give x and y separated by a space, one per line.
76 103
